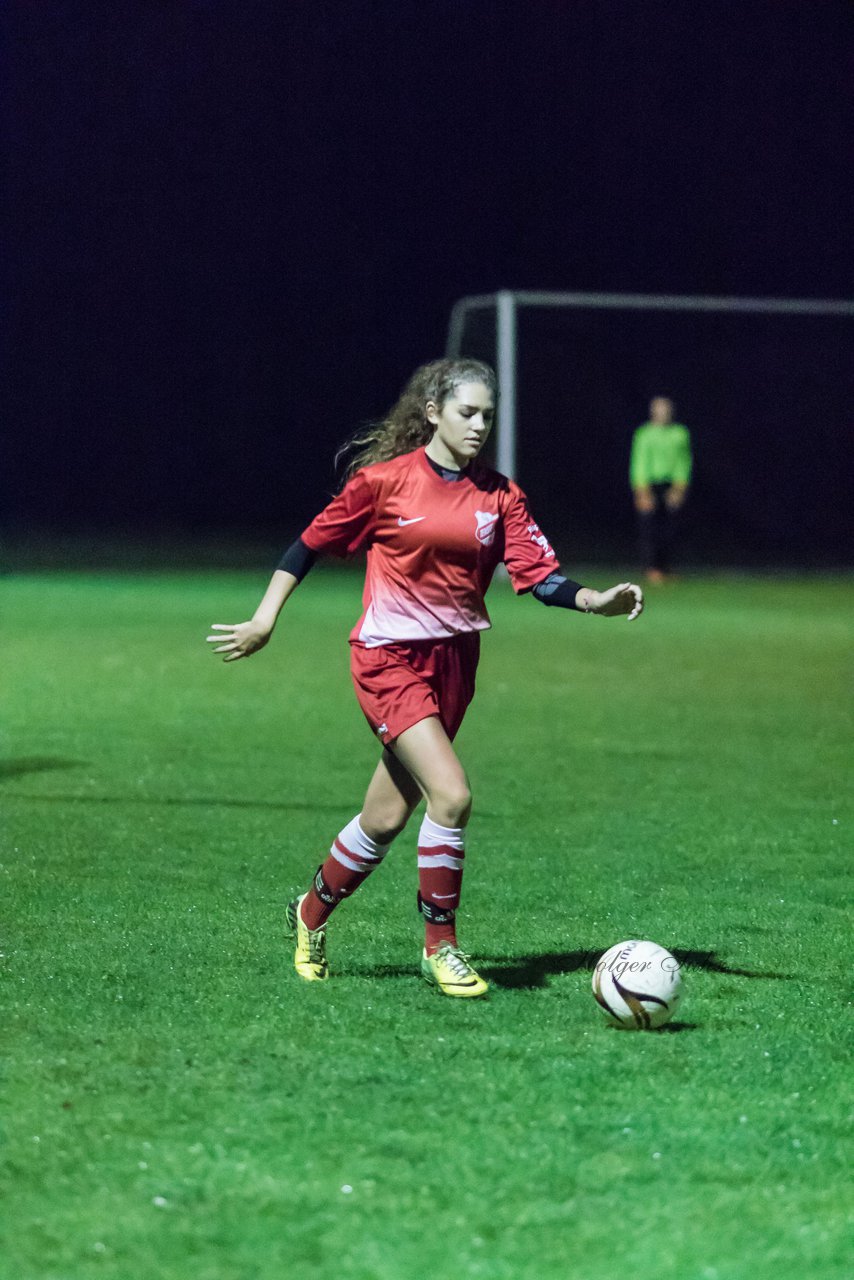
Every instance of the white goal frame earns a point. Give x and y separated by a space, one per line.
506 304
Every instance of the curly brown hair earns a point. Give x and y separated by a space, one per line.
406 427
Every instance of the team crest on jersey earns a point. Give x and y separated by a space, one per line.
486 522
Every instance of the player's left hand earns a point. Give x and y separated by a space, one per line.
626 598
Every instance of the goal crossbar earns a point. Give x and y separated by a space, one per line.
506 303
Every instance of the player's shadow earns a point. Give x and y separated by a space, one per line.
526 973
204 802
530 973
180 802
36 764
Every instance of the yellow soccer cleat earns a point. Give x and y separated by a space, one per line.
450 971
310 955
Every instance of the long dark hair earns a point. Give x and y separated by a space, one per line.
405 426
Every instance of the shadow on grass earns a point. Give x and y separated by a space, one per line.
708 960
524 973
36 764
669 1029
527 973
204 802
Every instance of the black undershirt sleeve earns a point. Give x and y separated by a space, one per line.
297 560
555 590
558 590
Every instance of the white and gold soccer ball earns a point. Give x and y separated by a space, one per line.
637 985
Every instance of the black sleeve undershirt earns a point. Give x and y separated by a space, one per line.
297 560
558 590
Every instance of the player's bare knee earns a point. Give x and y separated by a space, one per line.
450 804
385 823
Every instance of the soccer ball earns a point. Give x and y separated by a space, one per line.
637 985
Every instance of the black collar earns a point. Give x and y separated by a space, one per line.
446 473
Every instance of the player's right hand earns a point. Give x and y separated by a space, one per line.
238 639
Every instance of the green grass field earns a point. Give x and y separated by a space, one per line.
176 1104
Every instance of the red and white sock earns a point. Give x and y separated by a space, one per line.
441 854
351 860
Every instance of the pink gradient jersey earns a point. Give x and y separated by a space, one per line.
433 546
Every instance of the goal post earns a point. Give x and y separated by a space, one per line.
506 304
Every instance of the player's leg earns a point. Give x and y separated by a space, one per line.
391 797
427 754
359 848
356 851
646 538
656 535
671 534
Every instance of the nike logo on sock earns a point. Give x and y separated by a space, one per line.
414 520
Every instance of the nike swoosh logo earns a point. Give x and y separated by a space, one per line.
414 520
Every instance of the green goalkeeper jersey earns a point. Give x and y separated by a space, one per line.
660 455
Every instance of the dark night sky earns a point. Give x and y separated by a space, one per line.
236 228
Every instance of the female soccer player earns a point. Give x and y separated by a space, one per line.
435 524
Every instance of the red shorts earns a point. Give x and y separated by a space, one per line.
399 684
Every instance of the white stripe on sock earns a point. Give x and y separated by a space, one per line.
356 842
351 863
440 860
431 834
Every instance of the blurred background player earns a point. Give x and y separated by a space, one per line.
660 473
435 524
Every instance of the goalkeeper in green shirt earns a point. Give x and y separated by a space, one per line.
660 473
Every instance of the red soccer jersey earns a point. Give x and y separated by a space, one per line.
433 546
